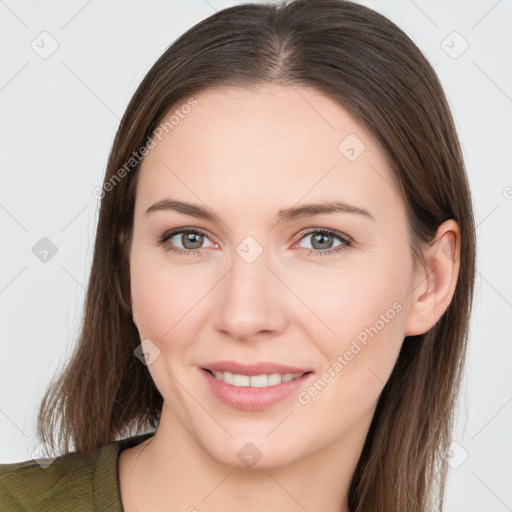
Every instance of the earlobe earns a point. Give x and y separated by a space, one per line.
434 285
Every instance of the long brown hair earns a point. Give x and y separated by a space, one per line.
372 68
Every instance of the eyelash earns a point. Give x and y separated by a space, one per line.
346 241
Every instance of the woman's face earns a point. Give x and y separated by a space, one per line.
262 278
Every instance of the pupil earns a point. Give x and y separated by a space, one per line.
193 238
318 238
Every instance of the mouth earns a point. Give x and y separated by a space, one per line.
256 392
263 380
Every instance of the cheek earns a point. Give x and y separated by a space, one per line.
362 313
165 302
352 299
367 317
166 298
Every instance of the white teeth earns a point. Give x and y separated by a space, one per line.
238 380
227 377
255 381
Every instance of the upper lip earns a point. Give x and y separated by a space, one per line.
253 368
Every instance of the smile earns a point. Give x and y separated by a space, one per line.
254 392
254 381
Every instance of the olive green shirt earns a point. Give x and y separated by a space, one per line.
70 483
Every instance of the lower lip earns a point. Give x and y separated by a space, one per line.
254 399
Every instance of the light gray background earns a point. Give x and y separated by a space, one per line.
59 117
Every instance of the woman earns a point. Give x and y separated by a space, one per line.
278 305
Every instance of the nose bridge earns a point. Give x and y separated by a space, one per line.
248 301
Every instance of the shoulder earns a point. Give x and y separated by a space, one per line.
71 481
50 484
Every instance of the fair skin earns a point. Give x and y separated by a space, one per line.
245 155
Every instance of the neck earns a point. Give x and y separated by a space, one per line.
172 469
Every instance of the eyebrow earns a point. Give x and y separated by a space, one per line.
287 214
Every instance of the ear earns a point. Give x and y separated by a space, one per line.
434 285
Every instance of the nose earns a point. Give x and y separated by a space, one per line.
250 300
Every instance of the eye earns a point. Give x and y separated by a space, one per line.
184 241
189 241
322 241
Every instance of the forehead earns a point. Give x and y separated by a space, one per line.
274 144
